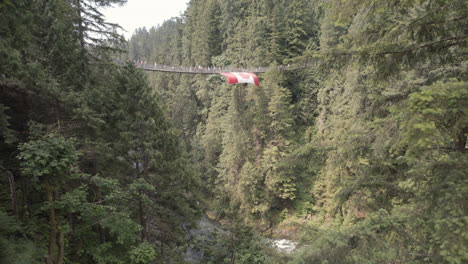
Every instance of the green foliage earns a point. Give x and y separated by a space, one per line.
436 118
15 248
251 194
143 254
434 135
239 245
49 160
380 238
296 35
366 148
102 170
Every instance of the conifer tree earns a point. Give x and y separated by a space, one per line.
94 33
276 34
296 34
235 140
280 129
212 137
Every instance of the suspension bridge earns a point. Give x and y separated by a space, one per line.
211 70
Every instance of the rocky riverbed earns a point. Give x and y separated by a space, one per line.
205 231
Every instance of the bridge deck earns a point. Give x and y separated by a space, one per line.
207 70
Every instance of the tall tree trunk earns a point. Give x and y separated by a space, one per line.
81 36
142 219
61 238
98 197
14 203
24 198
141 211
53 225
460 143
61 248
102 237
47 260
232 247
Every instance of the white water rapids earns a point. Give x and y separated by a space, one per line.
204 230
284 245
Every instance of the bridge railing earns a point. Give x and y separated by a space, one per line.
208 70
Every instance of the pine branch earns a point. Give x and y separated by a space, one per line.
410 49
426 45
464 16
91 225
435 10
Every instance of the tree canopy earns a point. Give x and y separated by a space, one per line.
361 156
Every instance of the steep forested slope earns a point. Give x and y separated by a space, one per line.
91 170
366 151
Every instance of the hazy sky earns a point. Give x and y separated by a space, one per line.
144 13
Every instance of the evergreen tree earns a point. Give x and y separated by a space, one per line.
235 142
296 34
94 33
51 163
280 129
362 153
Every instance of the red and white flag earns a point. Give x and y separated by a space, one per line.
241 77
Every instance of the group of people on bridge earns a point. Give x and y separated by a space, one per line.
145 65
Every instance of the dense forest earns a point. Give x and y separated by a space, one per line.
361 156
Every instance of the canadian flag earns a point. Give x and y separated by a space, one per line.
241 77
